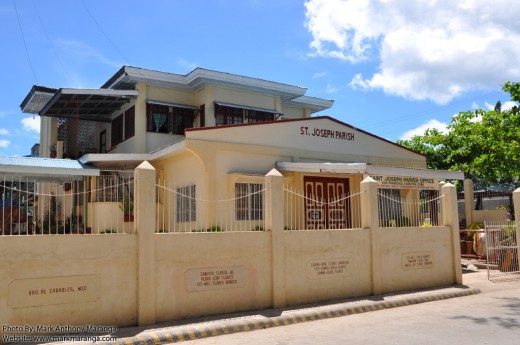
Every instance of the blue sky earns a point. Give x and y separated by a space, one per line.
390 66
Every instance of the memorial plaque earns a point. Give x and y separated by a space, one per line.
34 292
328 268
215 278
415 261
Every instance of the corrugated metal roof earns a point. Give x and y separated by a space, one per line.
45 167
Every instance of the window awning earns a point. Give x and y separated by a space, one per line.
272 111
87 104
364 168
176 105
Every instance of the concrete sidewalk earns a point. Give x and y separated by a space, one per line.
474 282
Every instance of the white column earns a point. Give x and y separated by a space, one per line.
450 218
144 225
274 222
370 220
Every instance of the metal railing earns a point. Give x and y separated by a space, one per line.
417 209
339 212
30 206
502 249
185 208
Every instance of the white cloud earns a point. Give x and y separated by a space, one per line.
31 124
505 106
429 49
440 126
4 131
319 75
4 143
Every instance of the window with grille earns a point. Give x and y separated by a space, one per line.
232 115
249 203
186 204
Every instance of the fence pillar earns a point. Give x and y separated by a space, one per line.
469 200
516 203
144 226
370 220
274 222
450 218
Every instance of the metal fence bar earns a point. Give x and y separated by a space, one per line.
185 209
420 208
502 249
338 212
30 206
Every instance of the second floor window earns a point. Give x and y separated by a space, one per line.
225 115
123 126
169 119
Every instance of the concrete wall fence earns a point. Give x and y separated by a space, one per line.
144 277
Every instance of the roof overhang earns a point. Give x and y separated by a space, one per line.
131 160
87 104
114 160
127 77
313 103
363 168
265 110
45 168
36 99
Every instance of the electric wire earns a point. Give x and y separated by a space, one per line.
104 33
25 43
52 46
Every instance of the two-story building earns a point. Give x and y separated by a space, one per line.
214 135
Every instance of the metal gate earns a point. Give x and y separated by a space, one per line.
502 250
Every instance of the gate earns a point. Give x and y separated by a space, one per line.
502 250
326 203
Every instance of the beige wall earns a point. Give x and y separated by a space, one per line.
327 265
480 216
68 280
399 247
181 260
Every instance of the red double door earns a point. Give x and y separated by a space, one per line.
326 203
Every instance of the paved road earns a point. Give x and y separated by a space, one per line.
492 317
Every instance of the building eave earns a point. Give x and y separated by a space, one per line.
368 169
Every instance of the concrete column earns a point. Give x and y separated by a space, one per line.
59 149
516 202
450 218
144 226
140 120
370 220
469 200
274 222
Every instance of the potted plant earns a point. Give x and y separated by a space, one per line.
127 206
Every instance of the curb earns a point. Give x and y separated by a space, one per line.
178 334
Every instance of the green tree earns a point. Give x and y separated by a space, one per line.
485 145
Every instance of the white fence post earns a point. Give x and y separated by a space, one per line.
450 219
370 220
144 226
516 203
274 222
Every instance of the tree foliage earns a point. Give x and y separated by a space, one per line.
485 145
